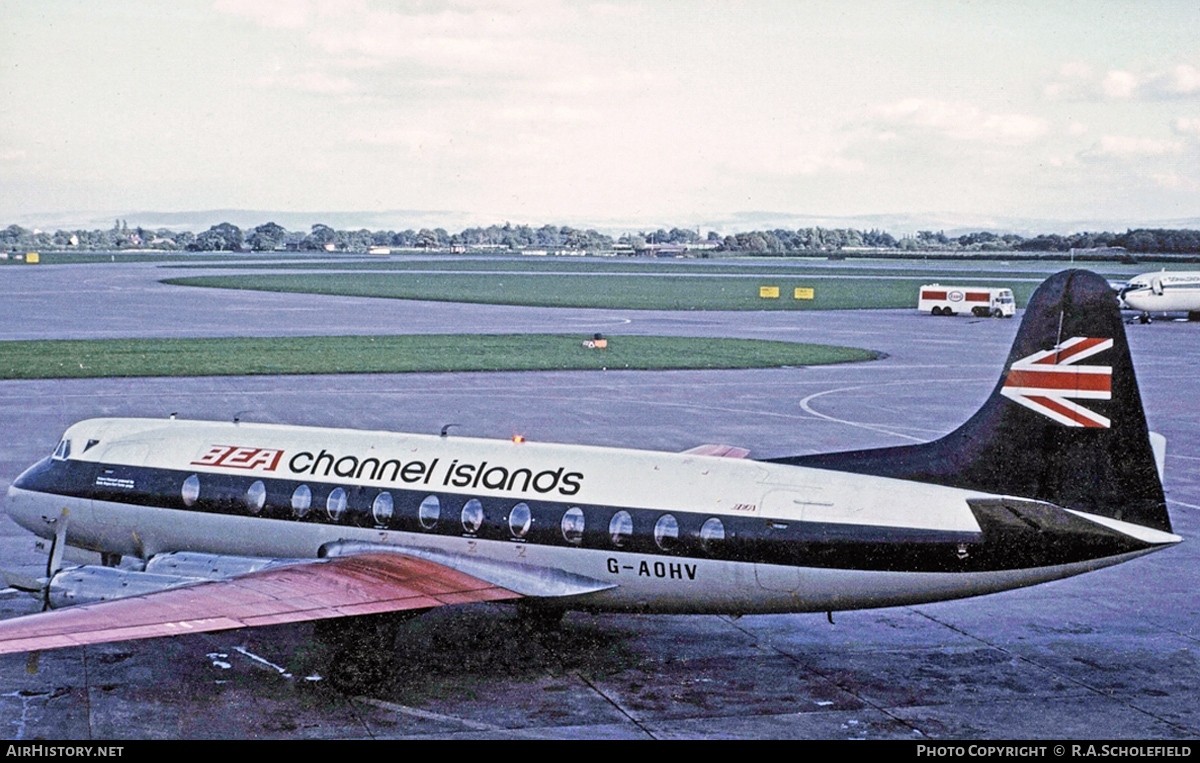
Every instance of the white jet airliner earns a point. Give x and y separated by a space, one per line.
228 525
1164 292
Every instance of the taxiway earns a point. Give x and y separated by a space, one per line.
1111 654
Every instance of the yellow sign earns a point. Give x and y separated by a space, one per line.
768 292
33 257
804 293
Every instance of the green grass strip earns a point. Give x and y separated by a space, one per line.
61 359
628 292
614 266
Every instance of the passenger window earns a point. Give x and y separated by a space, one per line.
335 505
572 525
301 500
620 529
256 497
381 509
191 490
472 516
712 532
519 520
666 532
429 512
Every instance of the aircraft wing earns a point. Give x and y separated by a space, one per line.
357 583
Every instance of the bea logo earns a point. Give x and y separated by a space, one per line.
237 457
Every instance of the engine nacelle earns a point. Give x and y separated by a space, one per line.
210 566
91 583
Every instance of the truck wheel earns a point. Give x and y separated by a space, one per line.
936 311
996 312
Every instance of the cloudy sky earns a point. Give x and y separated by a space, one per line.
562 111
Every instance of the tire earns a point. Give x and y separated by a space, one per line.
936 311
996 313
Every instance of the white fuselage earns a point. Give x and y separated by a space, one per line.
139 483
1164 292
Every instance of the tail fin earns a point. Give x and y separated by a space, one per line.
1064 424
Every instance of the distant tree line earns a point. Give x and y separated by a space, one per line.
269 237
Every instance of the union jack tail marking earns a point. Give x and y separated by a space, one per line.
1045 380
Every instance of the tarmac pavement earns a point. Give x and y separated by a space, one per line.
1107 655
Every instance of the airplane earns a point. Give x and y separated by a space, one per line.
206 526
1163 292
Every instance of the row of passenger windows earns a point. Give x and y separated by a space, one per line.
520 517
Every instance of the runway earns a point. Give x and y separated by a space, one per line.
1109 655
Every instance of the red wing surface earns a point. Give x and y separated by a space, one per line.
362 584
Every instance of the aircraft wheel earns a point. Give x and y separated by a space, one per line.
1144 318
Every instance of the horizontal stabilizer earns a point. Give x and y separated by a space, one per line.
1017 532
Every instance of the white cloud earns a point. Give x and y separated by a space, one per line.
1126 146
1118 84
277 14
414 139
964 122
534 112
1080 82
310 82
1074 80
1187 126
1171 180
1184 80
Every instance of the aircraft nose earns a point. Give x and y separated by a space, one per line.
20 501
18 508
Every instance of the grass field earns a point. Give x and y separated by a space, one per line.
690 290
396 354
740 265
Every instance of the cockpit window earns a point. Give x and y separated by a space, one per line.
63 451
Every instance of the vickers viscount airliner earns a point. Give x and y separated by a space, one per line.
205 526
